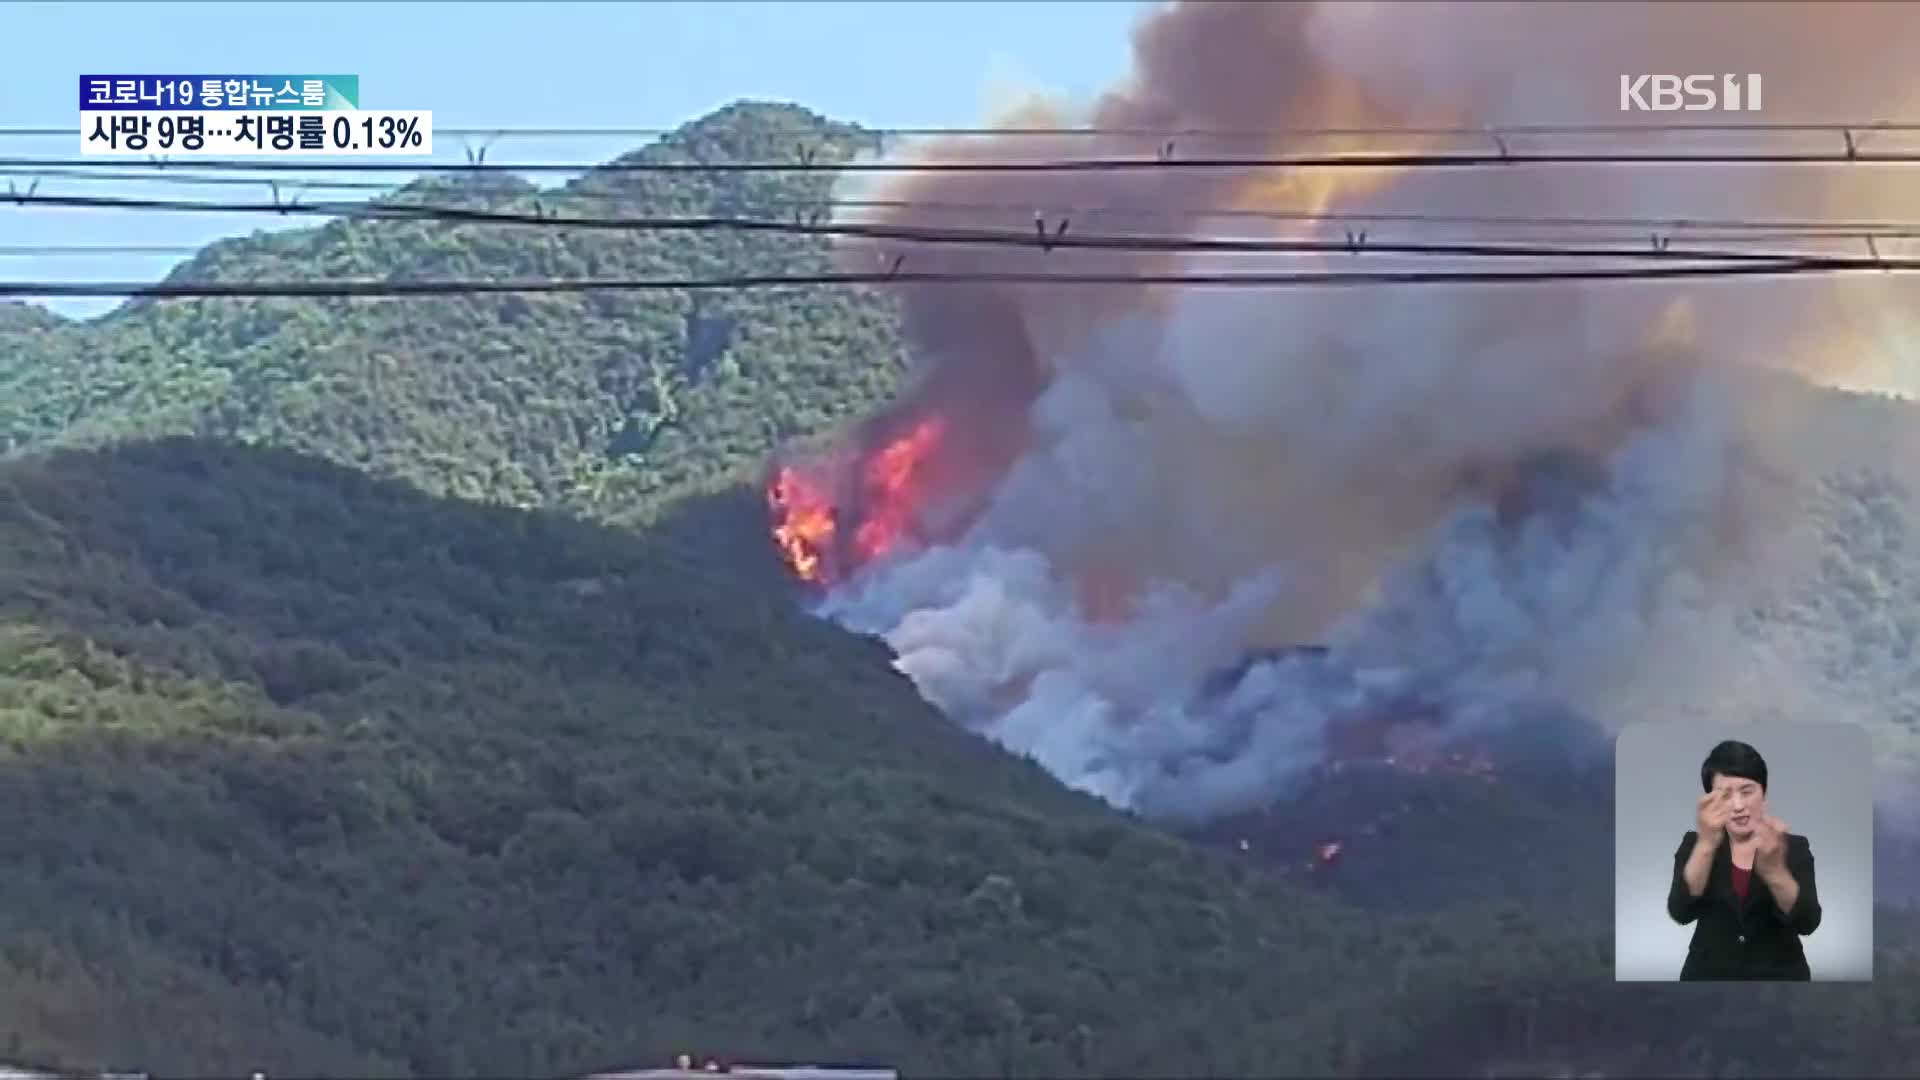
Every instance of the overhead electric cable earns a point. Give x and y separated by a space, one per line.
1167 162
1056 208
1046 236
1650 127
389 288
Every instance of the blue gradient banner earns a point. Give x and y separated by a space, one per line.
208 93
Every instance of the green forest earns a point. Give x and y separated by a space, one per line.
405 688
606 404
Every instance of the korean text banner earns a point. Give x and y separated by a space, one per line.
250 93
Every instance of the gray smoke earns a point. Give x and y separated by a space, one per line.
1499 499
1488 613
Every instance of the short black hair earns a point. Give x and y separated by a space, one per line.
1734 758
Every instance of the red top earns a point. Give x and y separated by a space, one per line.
1740 879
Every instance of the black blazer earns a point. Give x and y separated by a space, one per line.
1751 940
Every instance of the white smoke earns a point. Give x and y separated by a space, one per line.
1562 605
1499 500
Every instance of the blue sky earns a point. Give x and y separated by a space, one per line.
918 64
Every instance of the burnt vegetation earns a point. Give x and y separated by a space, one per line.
408 688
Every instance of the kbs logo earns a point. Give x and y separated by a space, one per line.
1693 93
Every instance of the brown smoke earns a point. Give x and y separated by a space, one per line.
1542 64
984 353
1254 67
1194 71
1566 492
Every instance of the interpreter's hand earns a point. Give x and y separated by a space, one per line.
1712 816
1770 846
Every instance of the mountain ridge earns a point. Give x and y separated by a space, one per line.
608 405
319 772
329 701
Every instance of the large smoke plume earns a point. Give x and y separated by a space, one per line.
1091 502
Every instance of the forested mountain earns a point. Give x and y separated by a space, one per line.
605 402
312 772
322 753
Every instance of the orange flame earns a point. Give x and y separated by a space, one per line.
804 524
807 514
892 499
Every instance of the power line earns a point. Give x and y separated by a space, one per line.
165 176
1046 236
775 131
187 250
371 289
1058 165
1839 228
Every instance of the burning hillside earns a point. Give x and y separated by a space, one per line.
1090 502
836 514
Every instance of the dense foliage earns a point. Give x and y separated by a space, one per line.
321 754
605 402
312 772
380 782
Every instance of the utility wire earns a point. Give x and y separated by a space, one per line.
1849 227
180 290
1840 228
1551 244
1045 236
1059 165
1370 246
1653 128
